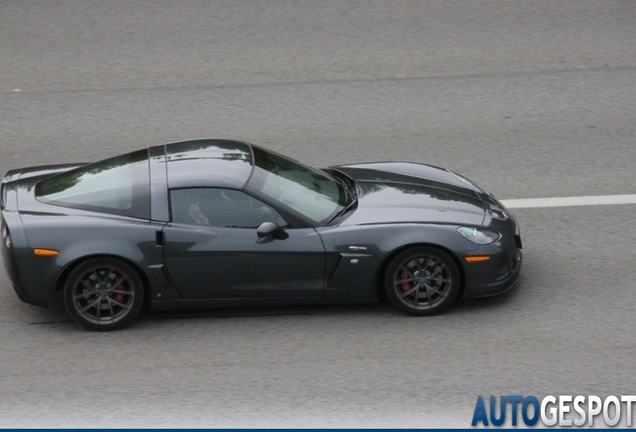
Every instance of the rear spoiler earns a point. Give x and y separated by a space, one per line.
40 170
34 171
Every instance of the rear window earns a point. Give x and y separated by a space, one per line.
120 185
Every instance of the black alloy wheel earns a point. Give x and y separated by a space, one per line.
103 294
422 281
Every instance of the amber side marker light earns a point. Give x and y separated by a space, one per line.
477 258
46 252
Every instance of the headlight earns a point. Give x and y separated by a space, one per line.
480 236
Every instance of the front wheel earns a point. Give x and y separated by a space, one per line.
103 294
422 281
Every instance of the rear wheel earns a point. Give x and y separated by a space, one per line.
103 294
422 281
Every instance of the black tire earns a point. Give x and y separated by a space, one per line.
422 281
103 294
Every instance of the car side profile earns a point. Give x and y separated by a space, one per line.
209 222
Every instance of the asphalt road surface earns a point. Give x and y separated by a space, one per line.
530 100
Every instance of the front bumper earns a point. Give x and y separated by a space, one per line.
499 273
493 283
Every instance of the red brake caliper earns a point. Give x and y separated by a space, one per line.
405 285
119 297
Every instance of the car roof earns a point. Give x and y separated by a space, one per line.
208 163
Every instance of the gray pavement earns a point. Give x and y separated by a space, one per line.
529 99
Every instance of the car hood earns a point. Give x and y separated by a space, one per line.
412 193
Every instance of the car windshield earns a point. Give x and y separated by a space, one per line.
308 191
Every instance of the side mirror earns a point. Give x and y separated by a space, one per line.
267 229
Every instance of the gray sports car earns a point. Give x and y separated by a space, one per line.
211 222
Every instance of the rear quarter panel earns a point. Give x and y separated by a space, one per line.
78 237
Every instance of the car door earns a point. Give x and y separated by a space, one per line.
212 251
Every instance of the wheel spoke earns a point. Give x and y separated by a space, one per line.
99 308
434 267
110 275
427 266
112 312
90 279
399 282
110 300
430 296
90 305
84 295
118 284
129 293
436 272
434 290
409 272
417 294
439 280
405 294
418 265
430 263
98 276
87 284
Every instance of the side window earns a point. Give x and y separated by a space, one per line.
221 208
120 185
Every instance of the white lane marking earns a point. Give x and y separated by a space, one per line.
570 201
